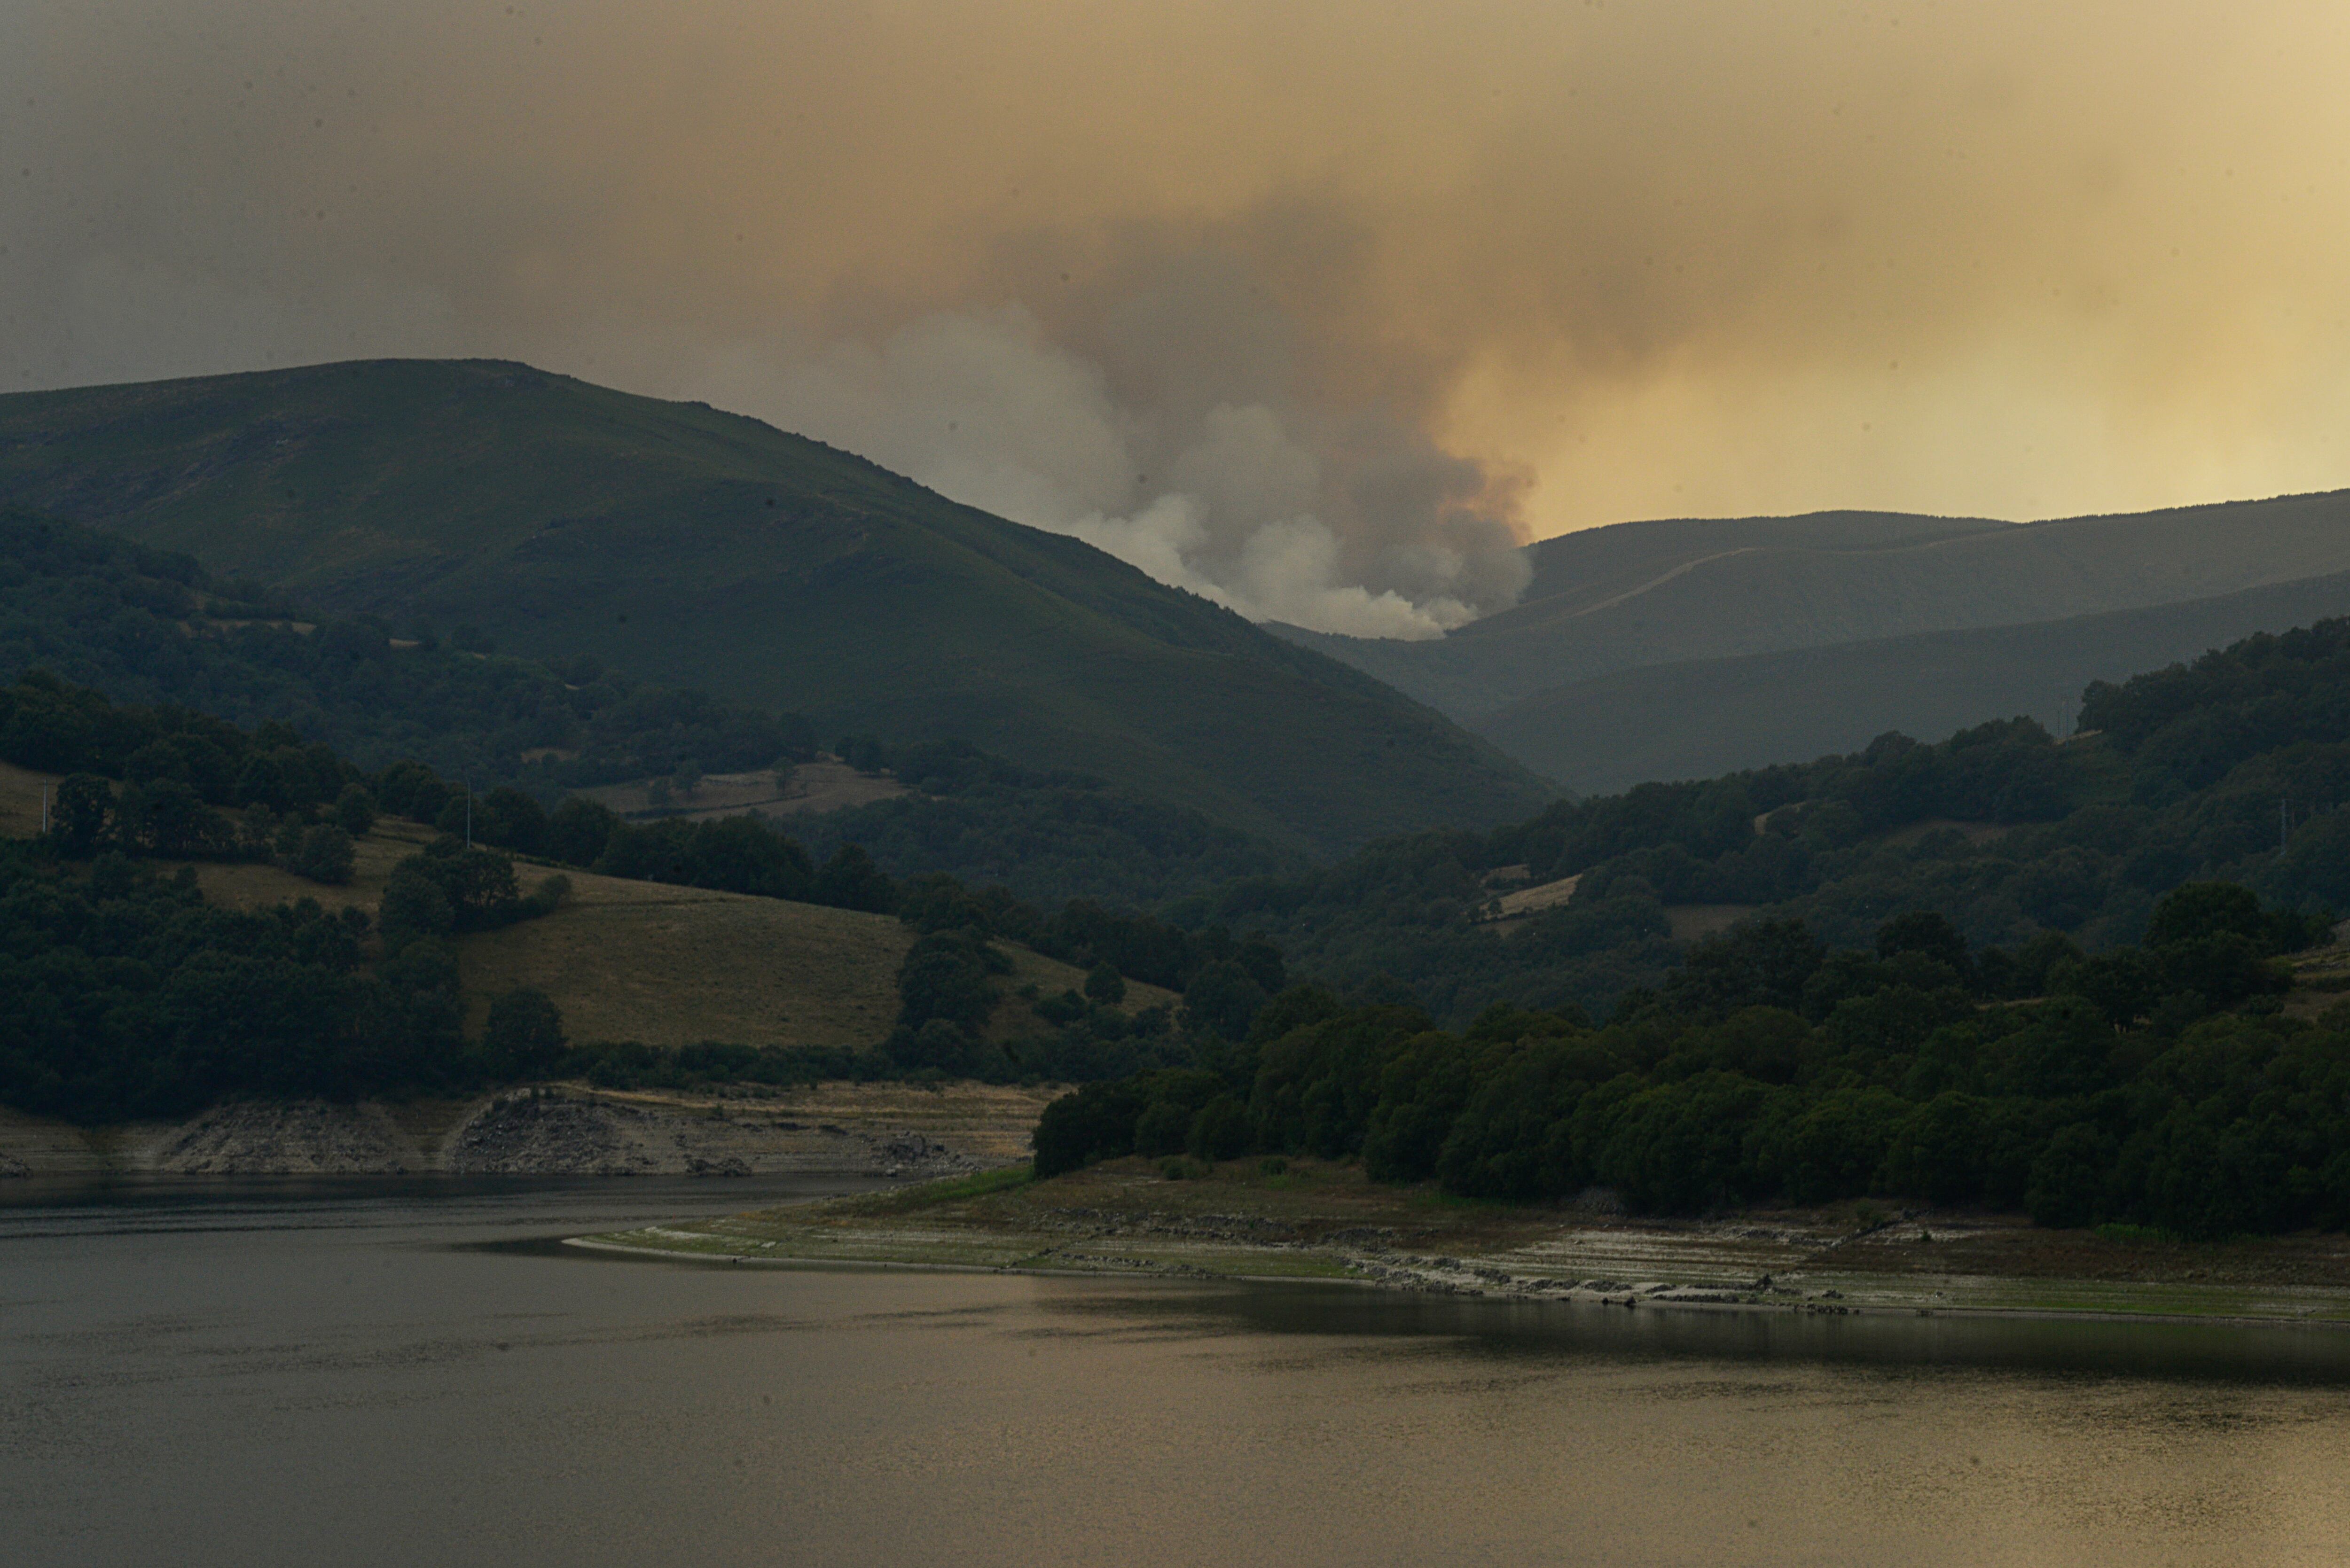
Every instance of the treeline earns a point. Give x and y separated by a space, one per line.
951 983
195 787
131 996
2156 1085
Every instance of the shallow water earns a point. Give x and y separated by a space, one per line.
368 1373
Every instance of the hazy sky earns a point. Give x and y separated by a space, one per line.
1315 306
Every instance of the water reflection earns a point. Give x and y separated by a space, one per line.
2247 1353
274 1376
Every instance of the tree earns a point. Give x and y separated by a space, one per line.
1163 1129
1923 931
1765 964
355 810
850 880
263 782
1106 985
578 829
524 1036
325 854
1222 1130
414 906
2071 1178
78 815
2205 908
946 976
512 820
1222 999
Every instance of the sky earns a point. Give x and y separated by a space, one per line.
1320 310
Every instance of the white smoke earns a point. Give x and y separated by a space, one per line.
1232 503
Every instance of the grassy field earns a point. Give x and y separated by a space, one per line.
645 961
673 966
1302 1219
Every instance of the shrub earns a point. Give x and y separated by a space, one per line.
324 853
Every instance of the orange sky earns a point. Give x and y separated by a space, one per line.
1315 306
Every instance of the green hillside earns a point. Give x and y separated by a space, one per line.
1642 594
2190 774
692 547
1705 717
148 627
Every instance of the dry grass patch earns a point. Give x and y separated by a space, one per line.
804 790
1690 922
674 966
20 800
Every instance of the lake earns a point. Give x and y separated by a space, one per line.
414 1373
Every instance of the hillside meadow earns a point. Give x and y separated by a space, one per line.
647 962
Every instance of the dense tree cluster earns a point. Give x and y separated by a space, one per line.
131 996
951 982
190 787
2156 1084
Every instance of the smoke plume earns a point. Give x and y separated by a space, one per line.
1315 309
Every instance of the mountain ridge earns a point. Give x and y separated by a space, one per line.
1641 593
696 547
1703 718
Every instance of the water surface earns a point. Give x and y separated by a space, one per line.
372 1372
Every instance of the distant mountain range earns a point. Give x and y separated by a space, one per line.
1689 647
696 549
1702 718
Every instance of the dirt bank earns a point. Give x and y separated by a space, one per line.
562 1130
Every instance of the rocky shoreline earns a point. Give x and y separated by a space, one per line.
542 1131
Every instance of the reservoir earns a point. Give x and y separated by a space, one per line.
388 1373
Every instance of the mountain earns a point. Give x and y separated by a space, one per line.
1705 717
1656 593
683 545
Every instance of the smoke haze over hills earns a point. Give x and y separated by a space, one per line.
1318 311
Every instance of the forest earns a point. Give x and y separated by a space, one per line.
2156 1085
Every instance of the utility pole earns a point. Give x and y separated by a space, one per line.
45 808
469 814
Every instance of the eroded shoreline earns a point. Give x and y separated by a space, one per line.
879 1129
1315 1223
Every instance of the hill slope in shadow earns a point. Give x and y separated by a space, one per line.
1641 593
1702 718
698 548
